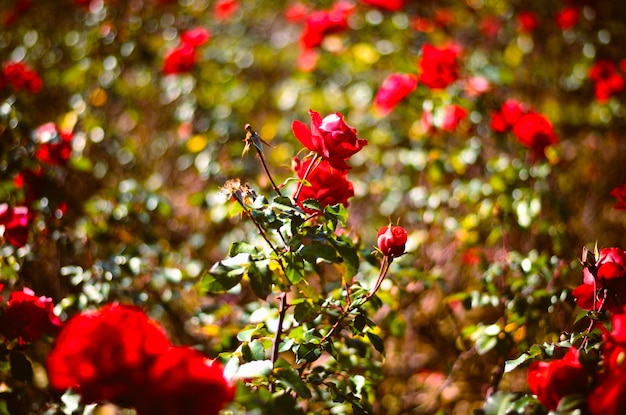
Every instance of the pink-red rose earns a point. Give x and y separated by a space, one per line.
535 131
54 147
28 317
182 58
619 192
552 381
328 185
392 240
320 23
15 221
329 137
438 67
393 90
610 276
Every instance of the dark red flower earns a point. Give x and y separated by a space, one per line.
393 90
608 81
608 287
392 240
552 381
184 382
324 22
328 185
330 137
106 355
28 317
19 76
182 58
535 131
620 193
392 5
15 221
438 67
54 147
527 21
223 9
567 17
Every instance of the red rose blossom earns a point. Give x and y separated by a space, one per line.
452 116
328 185
320 23
509 113
195 37
610 276
567 17
552 381
223 9
393 90
55 147
28 317
184 382
330 137
106 355
607 80
19 76
527 21
620 193
535 131
15 221
392 240
438 67
182 58
391 5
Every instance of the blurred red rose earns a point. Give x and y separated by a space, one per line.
392 5
393 90
106 355
552 381
527 21
510 112
28 317
223 9
392 240
452 116
183 381
320 23
608 81
567 17
182 58
19 76
620 193
195 37
15 221
330 137
438 67
535 131
328 185
55 147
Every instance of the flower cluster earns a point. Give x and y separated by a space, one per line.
182 58
532 130
18 76
607 80
117 354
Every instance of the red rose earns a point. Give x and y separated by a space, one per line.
608 81
54 147
534 131
330 137
106 355
392 240
324 22
510 112
393 90
567 17
195 37
392 5
527 21
182 58
552 381
452 116
438 67
15 221
611 276
329 185
28 317
620 193
19 76
223 9
184 382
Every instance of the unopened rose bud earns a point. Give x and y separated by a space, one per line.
392 240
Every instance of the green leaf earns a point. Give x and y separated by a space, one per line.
312 204
348 254
304 311
225 274
308 352
294 268
241 248
512 364
316 250
377 342
290 378
260 277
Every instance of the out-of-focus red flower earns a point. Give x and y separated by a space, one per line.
510 112
527 21
18 76
328 185
489 26
184 382
552 381
422 24
106 355
476 85
223 9
54 147
620 193
567 17
438 67
610 276
452 116
608 81
392 5
15 221
392 240
324 22
296 12
28 317
329 137
535 131
393 90
182 58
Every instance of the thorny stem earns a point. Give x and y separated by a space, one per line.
314 163
592 322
